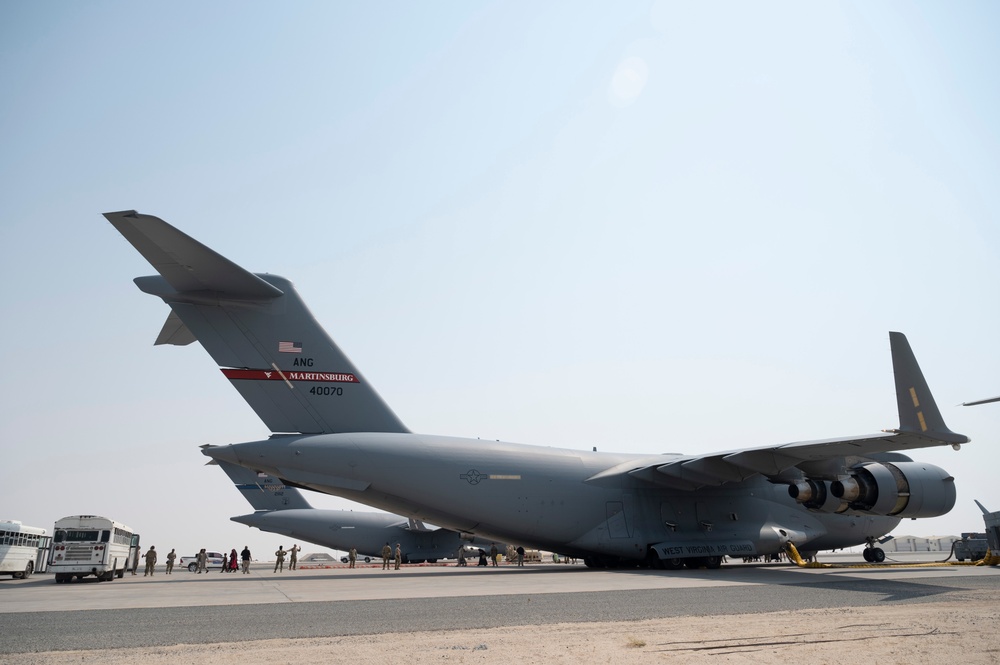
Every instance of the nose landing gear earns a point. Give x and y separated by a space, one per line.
873 554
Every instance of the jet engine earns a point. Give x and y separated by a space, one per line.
898 489
817 495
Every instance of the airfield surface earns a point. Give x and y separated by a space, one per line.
542 612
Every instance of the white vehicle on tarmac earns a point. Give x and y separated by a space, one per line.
85 545
23 549
215 561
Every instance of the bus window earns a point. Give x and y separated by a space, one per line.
105 536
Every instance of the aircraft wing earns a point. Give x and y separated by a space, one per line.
921 426
981 401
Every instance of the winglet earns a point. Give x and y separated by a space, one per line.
918 413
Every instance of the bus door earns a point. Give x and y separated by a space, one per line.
44 552
133 553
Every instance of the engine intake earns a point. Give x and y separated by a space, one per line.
898 489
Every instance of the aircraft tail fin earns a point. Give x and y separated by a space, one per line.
258 330
263 491
918 412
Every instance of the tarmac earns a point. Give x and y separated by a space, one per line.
188 608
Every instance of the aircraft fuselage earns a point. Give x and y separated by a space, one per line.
542 497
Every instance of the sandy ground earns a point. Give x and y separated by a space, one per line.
922 633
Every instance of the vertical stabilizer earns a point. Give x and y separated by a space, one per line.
918 412
263 491
258 330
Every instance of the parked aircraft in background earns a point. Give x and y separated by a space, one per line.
981 401
333 433
281 509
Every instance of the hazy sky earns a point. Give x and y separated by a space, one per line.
646 227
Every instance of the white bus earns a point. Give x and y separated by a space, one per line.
23 549
91 545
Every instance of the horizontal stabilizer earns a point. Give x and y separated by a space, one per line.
186 264
259 332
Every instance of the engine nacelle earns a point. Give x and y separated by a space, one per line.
817 495
899 489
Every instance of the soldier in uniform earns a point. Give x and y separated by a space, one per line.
493 554
245 558
279 562
293 560
202 558
386 555
352 556
170 561
399 556
150 560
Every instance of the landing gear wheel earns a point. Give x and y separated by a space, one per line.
867 554
878 555
713 562
673 564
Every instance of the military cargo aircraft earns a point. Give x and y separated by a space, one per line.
281 509
333 433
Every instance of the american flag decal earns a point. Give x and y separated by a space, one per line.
289 347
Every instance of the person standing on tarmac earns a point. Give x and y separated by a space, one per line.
352 557
170 561
493 554
245 557
399 556
520 555
386 555
150 560
202 559
293 561
279 562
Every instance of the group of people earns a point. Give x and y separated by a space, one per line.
150 558
229 564
513 554
387 554
293 561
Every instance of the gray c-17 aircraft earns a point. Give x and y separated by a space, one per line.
333 433
281 509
